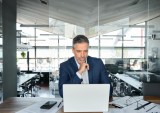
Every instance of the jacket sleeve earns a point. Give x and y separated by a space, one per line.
105 77
67 76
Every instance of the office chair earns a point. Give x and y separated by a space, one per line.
111 68
36 83
26 89
119 64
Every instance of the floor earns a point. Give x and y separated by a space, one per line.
47 91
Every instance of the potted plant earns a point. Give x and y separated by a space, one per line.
23 54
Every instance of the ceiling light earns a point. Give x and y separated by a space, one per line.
114 35
137 26
124 40
156 31
140 36
29 25
44 2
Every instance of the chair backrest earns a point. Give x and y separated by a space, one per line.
151 89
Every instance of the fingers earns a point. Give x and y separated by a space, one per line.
87 66
83 67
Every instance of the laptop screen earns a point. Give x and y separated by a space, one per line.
86 97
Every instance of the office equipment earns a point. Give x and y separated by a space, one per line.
142 106
111 68
126 101
48 104
137 64
86 97
34 105
59 104
120 65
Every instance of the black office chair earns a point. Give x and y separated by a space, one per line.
37 82
111 68
26 89
120 63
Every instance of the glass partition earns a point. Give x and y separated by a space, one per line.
153 54
121 34
66 21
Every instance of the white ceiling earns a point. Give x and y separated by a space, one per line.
86 13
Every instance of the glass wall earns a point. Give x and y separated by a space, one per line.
110 39
117 32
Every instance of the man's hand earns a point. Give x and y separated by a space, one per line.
83 67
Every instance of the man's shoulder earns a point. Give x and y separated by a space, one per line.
67 61
94 59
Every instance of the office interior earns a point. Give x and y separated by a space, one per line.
36 36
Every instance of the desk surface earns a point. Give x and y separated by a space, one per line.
14 104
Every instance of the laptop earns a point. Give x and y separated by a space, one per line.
86 97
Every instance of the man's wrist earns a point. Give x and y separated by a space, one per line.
79 75
80 72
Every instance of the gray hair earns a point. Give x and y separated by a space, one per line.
80 39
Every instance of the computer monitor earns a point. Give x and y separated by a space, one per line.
137 64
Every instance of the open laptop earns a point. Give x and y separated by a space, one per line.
86 97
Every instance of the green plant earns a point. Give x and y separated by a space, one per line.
23 54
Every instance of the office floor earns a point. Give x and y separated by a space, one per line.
47 91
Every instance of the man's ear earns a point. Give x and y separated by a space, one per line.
72 50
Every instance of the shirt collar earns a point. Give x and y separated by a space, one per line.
78 63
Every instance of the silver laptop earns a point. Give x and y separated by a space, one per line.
86 97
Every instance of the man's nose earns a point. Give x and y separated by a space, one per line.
82 54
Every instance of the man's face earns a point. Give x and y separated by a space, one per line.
80 51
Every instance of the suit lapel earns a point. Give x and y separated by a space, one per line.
73 63
90 71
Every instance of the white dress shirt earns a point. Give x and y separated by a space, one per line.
84 75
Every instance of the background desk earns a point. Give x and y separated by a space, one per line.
129 80
23 78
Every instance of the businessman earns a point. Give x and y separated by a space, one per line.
82 69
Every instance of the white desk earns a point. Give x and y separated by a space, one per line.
23 78
129 80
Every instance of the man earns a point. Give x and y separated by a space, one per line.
82 69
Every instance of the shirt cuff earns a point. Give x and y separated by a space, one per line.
79 75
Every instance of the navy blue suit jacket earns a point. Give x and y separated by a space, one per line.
96 73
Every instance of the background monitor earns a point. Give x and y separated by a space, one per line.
137 64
